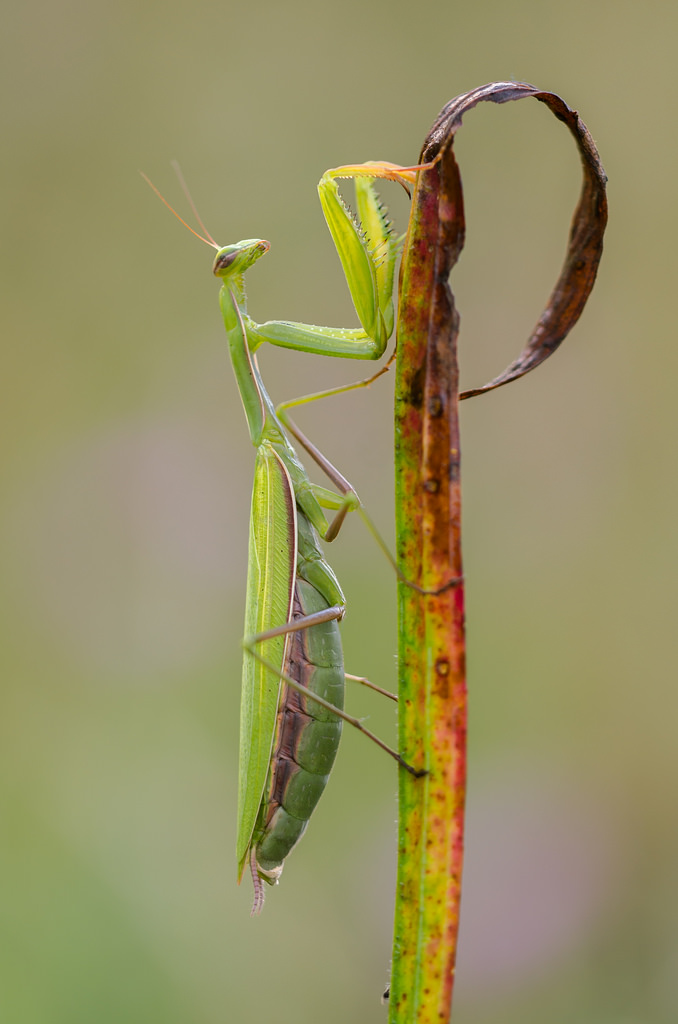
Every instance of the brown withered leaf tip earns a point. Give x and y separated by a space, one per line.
585 245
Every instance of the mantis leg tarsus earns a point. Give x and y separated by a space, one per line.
371 686
455 581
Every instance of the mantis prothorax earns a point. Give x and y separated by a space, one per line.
293 674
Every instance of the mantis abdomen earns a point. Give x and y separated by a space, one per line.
307 734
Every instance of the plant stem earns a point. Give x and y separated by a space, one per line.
432 701
432 684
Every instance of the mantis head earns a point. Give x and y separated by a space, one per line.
235 259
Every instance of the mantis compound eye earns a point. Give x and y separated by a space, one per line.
224 260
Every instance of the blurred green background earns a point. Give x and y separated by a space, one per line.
125 496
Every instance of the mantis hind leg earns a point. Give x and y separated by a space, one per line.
336 613
371 686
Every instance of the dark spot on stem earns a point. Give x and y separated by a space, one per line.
435 406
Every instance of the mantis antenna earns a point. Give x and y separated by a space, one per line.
186 191
209 240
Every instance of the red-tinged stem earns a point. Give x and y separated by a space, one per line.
432 684
432 701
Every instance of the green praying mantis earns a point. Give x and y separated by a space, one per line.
293 675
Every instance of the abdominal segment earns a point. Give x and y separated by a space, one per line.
307 735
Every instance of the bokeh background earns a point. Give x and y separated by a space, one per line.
126 471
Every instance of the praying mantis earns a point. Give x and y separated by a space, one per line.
293 674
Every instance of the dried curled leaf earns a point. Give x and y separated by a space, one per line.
585 246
